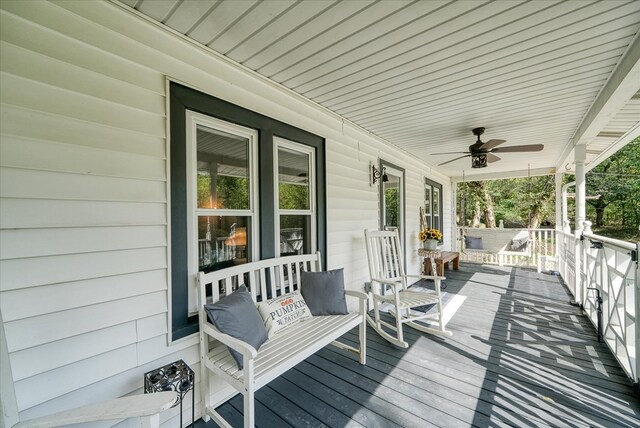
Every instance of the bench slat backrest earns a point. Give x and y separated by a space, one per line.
265 278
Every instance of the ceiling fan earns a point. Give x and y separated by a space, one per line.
483 153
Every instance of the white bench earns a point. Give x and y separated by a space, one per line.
271 277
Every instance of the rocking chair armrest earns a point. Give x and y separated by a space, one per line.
244 348
390 283
433 277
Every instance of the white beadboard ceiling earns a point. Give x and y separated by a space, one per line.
422 74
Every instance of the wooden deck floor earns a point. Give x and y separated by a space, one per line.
520 355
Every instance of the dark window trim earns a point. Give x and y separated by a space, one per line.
403 219
435 184
183 98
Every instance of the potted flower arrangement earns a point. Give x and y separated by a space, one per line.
430 238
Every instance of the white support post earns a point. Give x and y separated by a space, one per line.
559 211
637 319
455 246
580 153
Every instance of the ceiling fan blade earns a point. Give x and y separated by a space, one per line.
524 148
492 143
451 153
455 159
492 158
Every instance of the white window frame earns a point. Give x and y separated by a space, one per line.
292 146
193 212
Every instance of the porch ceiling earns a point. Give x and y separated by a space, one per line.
422 74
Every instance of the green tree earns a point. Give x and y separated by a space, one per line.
615 186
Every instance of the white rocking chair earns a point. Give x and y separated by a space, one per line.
386 267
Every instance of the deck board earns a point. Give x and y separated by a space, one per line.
520 355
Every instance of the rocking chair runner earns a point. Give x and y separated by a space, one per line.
386 267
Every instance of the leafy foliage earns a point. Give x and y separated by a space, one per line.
520 202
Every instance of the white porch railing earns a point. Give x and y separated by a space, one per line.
566 259
539 250
610 271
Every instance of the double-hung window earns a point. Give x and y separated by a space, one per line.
243 187
221 193
295 194
433 204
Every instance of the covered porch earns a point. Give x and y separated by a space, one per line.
99 248
520 355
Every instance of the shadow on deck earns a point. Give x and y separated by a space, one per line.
520 355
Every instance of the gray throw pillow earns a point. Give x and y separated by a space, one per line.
472 243
324 292
237 316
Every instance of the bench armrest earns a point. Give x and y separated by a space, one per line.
358 294
363 300
244 348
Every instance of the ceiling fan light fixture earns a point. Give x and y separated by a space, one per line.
479 160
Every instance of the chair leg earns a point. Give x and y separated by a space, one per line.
399 324
375 311
249 410
363 332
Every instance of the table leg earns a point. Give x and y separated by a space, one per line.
456 263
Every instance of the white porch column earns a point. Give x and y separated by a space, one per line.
559 211
581 156
454 217
580 153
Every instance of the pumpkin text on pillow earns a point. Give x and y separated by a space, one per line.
282 312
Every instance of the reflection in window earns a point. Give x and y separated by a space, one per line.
293 180
222 242
391 191
223 170
295 235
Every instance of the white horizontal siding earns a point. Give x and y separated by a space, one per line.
29 362
47 98
75 294
32 272
42 213
30 184
61 325
23 243
83 194
68 378
27 123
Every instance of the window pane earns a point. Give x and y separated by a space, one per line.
295 234
223 170
436 201
293 180
223 242
391 191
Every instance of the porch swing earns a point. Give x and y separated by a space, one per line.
469 242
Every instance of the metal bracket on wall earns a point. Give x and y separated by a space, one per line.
597 244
